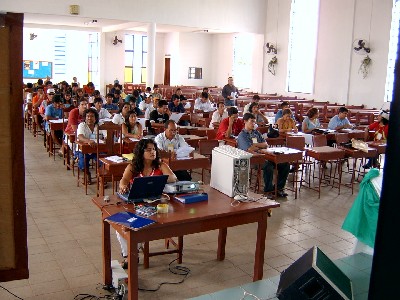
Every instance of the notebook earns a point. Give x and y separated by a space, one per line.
145 189
192 198
130 220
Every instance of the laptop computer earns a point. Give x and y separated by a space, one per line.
145 189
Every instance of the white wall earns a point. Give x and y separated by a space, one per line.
340 23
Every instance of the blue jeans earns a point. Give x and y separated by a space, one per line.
82 157
229 102
268 174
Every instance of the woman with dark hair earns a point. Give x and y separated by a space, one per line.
146 162
378 131
86 133
122 114
286 123
311 121
131 128
261 120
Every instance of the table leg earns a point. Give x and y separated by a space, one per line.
353 174
180 247
276 180
260 248
221 243
107 274
133 276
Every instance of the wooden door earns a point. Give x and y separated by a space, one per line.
167 71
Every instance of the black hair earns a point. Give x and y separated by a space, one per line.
219 103
74 84
312 112
122 107
166 124
204 95
178 89
256 97
287 111
248 116
110 95
284 103
138 154
343 110
161 103
251 106
29 85
82 99
57 98
40 82
97 100
232 110
131 112
384 121
96 92
148 89
90 83
93 111
118 92
48 82
136 93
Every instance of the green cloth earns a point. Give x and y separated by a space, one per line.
362 218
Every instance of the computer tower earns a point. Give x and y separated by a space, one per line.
230 170
314 276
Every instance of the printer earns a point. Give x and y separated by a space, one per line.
181 187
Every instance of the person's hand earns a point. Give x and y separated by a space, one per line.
348 126
92 143
123 189
231 120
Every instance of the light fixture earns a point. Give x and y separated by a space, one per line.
360 46
32 36
270 48
116 41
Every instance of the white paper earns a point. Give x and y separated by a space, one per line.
184 151
285 150
142 122
31 72
58 121
134 140
176 117
115 158
36 65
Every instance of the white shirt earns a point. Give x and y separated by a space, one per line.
204 106
163 142
84 129
143 106
216 117
246 108
118 119
148 111
104 114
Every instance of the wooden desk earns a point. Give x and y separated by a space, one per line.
289 156
354 133
53 126
68 145
193 140
129 144
379 146
116 169
198 161
216 213
326 154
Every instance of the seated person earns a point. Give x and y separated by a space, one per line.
131 128
170 141
117 99
284 105
109 105
230 126
133 105
380 130
218 115
68 101
340 121
256 99
87 131
146 103
203 104
122 115
146 162
36 102
176 106
54 111
186 104
311 121
252 141
210 97
156 93
178 94
151 108
89 88
96 94
160 115
103 113
116 86
261 120
286 123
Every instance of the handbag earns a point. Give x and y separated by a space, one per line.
272 132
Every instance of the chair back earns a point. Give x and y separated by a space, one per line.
206 147
211 134
114 133
342 138
320 140
296 142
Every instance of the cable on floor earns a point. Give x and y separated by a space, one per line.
11 293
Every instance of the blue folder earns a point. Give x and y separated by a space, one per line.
130 220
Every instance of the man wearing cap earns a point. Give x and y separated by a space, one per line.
378 131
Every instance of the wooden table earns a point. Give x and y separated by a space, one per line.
326 154
193 140
198 161
54 125
116 169
216 213
289 155
379 146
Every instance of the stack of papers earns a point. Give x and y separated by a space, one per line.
284 150
58 121
115 158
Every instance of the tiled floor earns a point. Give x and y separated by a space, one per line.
64 239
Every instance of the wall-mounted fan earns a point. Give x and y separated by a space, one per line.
270 49
361 46
116 40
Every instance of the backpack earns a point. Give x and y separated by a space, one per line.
272 132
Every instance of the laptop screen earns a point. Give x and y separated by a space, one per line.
147 187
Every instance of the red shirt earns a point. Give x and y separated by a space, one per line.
381 131
237 127
74 118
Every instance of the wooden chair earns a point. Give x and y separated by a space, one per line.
114 133
211 134
205 148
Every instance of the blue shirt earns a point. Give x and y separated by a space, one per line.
310 125
177 109
110 106
335 122
245 139
53 112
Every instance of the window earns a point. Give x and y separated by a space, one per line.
93 59
135 58
303 34
392 55
195 73
242 60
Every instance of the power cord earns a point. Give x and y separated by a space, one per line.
11 293
177 270
112 296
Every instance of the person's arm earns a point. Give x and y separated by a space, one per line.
83 138
39 101
294 127
106 113
124 182
167 171
48 115
263 117
228 131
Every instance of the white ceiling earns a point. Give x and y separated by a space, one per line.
101 25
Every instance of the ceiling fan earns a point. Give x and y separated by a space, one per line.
361 46
116 40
